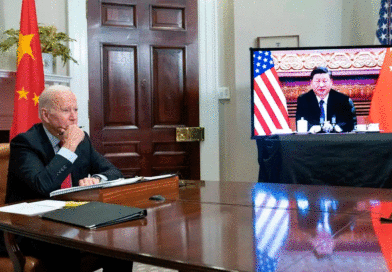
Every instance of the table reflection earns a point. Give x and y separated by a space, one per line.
271 227
297 224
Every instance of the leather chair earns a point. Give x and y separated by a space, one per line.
16 259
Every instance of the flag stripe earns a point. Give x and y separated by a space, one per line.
263 117
265 99
272 97
274 88
265 129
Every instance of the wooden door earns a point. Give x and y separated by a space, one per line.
143 73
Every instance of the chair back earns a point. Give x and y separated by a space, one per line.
4 159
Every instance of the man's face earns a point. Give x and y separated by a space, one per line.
63 113
321 85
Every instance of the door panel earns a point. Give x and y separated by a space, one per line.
143 71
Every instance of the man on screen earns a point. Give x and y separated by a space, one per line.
324 108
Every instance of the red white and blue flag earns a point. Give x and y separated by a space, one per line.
384 31
269 103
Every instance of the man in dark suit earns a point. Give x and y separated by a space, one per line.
52 155
38 165
325 108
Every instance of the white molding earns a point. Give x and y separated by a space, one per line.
6 73
77 29
49 79
208 89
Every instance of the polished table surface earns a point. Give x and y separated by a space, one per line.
237 226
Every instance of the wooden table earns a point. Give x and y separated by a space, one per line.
230 226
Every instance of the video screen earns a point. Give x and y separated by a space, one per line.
319 90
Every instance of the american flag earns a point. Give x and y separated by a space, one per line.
269 104
384 23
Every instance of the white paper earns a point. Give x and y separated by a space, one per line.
121 182
159 177
34 208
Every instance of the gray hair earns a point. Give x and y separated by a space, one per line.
47 97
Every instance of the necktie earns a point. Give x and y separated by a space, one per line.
67 183
322 111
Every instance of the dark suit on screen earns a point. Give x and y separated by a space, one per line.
35 170
339 105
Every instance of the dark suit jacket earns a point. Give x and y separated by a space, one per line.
35 170
339 105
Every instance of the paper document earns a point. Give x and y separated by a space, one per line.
109 183
81 188
34 208
159 177
121 182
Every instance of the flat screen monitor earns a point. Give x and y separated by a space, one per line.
306 90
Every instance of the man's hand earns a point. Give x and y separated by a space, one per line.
71 137
315 129
338 128
327 126
88 181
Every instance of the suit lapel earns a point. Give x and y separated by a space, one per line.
331 104
45 143
315 108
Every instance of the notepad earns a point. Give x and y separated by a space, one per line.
109 183
94 186
95 215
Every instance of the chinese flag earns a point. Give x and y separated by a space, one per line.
381 106
29 74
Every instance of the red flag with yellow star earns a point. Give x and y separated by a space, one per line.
381 105
29 74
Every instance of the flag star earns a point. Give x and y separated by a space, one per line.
36 99
385 16
386 5
257 71
259 58
383 37
265 60
264 66
25 46
22 93
258 64
384 26
266 53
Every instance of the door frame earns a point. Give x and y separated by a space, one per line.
208 77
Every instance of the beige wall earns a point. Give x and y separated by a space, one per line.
49 12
